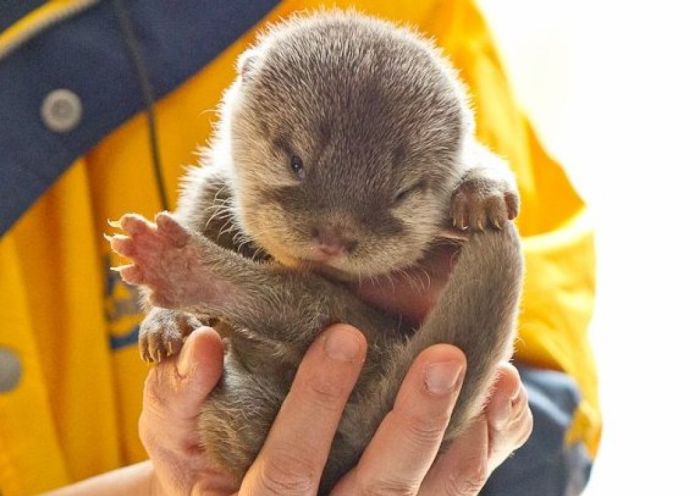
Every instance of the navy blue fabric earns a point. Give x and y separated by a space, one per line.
12 11
545 465
124 340
87 54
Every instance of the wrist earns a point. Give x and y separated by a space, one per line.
137 480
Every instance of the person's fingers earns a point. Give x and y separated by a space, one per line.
499 409
176 388
463 469
173 395
405 444
294 454
398 294
509 416
505 425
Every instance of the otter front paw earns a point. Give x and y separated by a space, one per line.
162 333
166 259
483 200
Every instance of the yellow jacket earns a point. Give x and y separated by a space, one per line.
69 327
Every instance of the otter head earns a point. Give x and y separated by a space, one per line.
346 134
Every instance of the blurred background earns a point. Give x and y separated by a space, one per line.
613 89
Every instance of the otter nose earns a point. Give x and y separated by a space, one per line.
332 241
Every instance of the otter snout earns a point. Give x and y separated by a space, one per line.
332 240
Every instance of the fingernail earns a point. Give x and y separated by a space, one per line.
442 377
342 344
184 361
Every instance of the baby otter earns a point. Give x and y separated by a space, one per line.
345 150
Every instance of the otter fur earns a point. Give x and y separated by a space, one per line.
345 151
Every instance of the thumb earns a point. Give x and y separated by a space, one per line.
200 361
180 384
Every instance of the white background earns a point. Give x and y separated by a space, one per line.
613 89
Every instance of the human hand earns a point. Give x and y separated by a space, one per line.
401 458
173 395
296 448
413 291
292 460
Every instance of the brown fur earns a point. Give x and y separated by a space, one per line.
382 126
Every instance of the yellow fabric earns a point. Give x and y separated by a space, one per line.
75 411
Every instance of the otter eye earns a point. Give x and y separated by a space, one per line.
403 194
297 166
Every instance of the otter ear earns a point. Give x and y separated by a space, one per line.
246 64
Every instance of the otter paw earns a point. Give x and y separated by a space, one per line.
162 333
479 203
165 256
